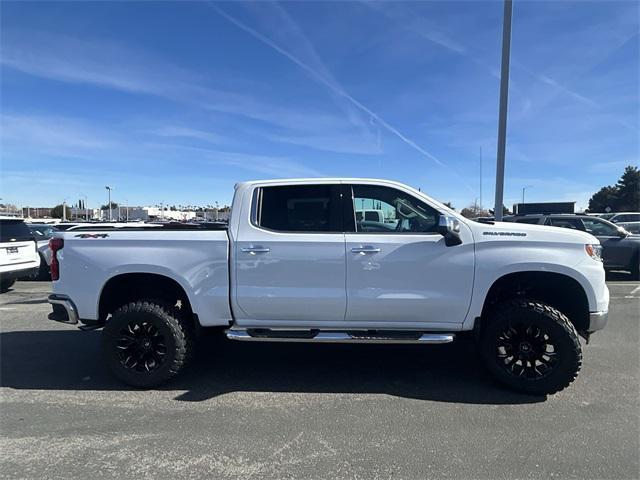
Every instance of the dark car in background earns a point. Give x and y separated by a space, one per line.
620 249
42 232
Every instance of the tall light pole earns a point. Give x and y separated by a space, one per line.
504 100
126 208
64 210
109 201
480 178
523 190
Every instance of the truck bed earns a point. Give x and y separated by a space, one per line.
196 258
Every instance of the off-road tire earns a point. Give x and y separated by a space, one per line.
173 331
560 366
6 284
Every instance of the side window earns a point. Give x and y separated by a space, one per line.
574 223
627 217
598 227
528 220
387 210
299 208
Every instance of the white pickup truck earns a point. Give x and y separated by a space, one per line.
296 265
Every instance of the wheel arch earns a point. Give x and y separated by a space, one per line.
558 290
133 286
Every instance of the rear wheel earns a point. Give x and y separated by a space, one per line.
144 344
531 347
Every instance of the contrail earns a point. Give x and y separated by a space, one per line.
327 83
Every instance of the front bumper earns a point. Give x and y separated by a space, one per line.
64 310
598 320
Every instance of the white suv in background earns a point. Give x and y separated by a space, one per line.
18 252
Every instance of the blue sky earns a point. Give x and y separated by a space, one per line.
175 102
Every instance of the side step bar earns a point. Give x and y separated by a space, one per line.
316 336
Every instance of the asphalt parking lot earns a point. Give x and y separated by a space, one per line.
310 411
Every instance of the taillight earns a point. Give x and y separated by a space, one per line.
55 244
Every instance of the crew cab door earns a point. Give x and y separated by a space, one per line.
290 256
399 270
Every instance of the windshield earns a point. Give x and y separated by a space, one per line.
42 232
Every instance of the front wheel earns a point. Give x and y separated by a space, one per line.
531 347
145 344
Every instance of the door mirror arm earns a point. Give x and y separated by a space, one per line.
449 228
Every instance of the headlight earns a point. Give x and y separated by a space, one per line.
594 251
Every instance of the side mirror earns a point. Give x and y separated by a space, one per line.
449 228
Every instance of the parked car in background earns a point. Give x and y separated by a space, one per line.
627 220
620 247
42 233
624 217
18 252
63 226
631 227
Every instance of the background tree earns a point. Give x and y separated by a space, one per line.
621 197
448 204
505 211
606 197
114 205
629 190
56 212
473 211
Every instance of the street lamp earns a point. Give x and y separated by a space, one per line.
109 202
523 190
126 208
504 99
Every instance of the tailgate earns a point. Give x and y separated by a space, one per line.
16 253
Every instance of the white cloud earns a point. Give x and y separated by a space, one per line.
185 132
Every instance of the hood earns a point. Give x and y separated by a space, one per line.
500 231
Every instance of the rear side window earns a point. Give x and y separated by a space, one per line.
528 220
299 208
14 231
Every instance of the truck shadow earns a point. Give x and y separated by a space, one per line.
70 360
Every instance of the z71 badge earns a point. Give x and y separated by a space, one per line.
92 235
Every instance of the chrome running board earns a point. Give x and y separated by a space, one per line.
316 336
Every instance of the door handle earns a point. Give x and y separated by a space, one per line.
365 250
254 250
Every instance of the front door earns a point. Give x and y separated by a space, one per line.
398 267
290 258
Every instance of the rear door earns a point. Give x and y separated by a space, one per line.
17 246
290 256
400 273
